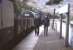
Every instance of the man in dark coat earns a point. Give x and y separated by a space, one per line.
37 23
46 24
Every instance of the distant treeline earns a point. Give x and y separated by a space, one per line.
50 2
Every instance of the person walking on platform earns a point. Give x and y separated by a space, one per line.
46 24
36 23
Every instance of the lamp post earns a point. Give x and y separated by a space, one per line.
53 20
61 26
67 27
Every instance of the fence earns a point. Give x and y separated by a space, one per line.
57 28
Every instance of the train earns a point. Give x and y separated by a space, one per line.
26 21
18 27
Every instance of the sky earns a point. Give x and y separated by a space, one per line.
41 3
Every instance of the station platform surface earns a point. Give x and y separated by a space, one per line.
41 42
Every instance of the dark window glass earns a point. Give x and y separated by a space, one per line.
0 1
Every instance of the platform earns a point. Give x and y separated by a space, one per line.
41 42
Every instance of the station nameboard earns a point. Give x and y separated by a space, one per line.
63 9
27 15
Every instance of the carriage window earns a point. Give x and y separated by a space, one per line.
0 1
